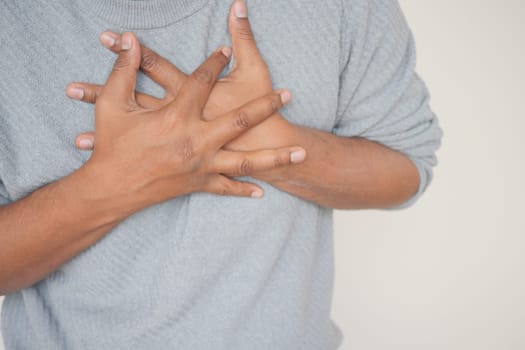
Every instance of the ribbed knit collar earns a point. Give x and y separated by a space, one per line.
141 14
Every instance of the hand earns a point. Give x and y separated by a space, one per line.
248 79
155 153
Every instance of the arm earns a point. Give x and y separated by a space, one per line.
381 151
345 173
178 152
53 224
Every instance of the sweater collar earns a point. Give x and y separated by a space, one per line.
142 14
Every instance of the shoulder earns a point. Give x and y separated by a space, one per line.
369 26
373 16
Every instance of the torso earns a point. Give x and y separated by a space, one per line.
198 268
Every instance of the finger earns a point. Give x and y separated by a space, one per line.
229 126
90 92
250 163
84 92
222 185
243 42
159 69
85 141
120 86
196 90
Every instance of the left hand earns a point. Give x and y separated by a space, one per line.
249 79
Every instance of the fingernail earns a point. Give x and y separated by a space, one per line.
257 194
76 93
85 143
127 41
285 96
297 156
107 40
240 9
226 51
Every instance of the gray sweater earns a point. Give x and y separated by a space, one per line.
200 271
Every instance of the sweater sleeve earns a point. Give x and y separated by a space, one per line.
381 96
4 198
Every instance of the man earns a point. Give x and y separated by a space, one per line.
130 246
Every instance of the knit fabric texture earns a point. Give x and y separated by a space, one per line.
200 271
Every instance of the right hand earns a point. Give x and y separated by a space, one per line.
155 154
248 79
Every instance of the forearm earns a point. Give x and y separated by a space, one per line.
47 228
346 173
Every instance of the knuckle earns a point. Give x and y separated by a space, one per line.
242 121
149 63
245 167
272 106
277 162
184 149
225 189
121 63
244 32
221 187
133 106
281 159
203 76
90 95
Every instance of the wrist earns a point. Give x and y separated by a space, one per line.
103 193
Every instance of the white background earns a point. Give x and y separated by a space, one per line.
449 273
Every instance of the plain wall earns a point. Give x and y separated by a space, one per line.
449 273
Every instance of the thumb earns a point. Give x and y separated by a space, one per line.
85 140
243 42
120 85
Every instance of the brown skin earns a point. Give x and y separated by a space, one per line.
144 156
73 213
340 172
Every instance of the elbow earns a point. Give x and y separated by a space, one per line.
6 286
407 187
420 177
11 282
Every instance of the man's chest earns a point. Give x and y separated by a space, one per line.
39 123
